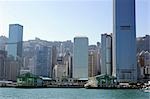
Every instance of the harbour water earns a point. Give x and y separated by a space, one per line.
72 93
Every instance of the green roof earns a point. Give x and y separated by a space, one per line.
105 76
28 75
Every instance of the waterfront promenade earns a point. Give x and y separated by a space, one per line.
14 85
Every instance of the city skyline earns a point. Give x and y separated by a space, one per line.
71 18
55 45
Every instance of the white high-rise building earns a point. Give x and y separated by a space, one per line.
106 54
80 57
124 41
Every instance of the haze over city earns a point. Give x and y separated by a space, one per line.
62 20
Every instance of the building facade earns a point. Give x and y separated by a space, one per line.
15 40
98 58
60 71
143 66
106 54
12 68
42 60
92 63
3 41
124 41
68 64
54 57
143 43
80 57
3 56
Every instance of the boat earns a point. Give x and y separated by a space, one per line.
147 87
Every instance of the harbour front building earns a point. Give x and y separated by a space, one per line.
124 41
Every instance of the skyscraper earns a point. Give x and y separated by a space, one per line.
68 62
124 41
42 61
15 40
92 63
80 57
98 58
54 56
50 71
106 53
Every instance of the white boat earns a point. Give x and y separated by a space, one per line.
147 88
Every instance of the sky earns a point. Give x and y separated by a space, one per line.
60 20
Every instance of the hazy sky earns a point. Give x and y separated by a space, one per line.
63 19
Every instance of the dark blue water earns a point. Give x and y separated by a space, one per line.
81 93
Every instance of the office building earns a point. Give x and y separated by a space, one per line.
68 64
143 43
60 71
54 56
124 41
98 58
143 66
42 60
3 41
32 65
50 70
80 57
92 63
12 68
15 40
106 54
3 56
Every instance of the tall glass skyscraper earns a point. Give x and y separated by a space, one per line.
15 40
124 41
80 57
